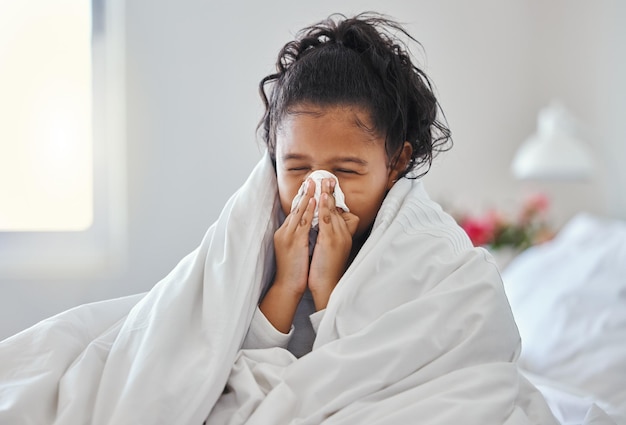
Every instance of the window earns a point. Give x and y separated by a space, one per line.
61 137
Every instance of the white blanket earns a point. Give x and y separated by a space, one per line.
417 330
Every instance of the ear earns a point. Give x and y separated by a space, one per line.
399 163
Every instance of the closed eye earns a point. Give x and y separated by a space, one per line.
345 171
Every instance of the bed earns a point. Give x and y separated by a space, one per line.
441 346
568 297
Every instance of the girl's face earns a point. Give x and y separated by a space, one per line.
336 139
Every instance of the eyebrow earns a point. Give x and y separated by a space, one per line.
353 159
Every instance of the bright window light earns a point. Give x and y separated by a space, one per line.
46 148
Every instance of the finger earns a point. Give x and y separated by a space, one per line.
331 186
301 223
330 190
326 214
333 183
325 184
351 220
338 224
307 217
301 206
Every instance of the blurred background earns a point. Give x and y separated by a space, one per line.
186 121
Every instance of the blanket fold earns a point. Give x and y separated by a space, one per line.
163 357
418 327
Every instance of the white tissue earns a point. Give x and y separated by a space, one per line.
317 176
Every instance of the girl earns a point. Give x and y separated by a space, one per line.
393 314
400 318
346 98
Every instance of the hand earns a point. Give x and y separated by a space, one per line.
291 246
332 249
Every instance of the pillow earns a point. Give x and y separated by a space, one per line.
568 297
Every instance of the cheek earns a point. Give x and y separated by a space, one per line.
364 203
287 190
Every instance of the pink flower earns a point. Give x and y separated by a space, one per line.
479 230
495 218
496 229
534 205
537 202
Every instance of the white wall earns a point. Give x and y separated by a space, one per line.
192 73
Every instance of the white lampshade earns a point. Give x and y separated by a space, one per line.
553 153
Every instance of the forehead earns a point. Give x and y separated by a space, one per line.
338 127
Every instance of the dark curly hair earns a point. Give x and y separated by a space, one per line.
358 61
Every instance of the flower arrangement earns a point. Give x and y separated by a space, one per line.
496 230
